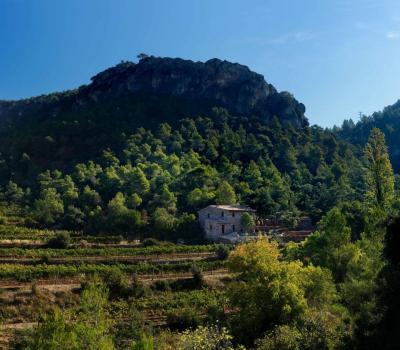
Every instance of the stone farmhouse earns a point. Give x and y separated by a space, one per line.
221 222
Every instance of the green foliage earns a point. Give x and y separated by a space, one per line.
138 289
247 221
49 207
386 120
150 184
266 292
379 175
198 278
150 242
116 282
199 198
53 333
314 330
269 291
14 194
163 220
183 319
330 245
222 252
93 326
119 217
283 337
30 272
206 338
60 241
87 327
149 247
225 194
144 343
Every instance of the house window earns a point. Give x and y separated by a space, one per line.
222 214
233 214
223 229
208 215
233 228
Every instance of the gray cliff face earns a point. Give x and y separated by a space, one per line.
220 83
231 85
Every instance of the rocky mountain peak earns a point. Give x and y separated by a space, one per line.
169 88
222 83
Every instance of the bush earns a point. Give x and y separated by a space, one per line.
45 259
116 282
182 320
222 252
150 242
198 278
212 337
145 342
216 314
60 241
138 289
162 286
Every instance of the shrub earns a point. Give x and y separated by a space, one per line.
179 321
247 221
34 289
144 343
162 286
138 289
45 259
60 241
222 252
117 282
212 337
150 242
198 278
216 314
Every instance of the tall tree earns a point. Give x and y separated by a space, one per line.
379 175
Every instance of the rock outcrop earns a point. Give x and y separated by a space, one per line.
205 84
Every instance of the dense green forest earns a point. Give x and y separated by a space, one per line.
159 179
387 120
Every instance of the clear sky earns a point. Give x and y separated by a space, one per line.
338 57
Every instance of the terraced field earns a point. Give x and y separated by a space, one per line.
35 278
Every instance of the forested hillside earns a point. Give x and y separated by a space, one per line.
387 120
125 155
160 179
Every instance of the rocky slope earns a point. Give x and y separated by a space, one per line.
195 87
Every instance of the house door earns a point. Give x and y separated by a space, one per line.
222 229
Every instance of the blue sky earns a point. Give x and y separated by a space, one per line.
337 57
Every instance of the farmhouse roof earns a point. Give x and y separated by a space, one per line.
229 207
